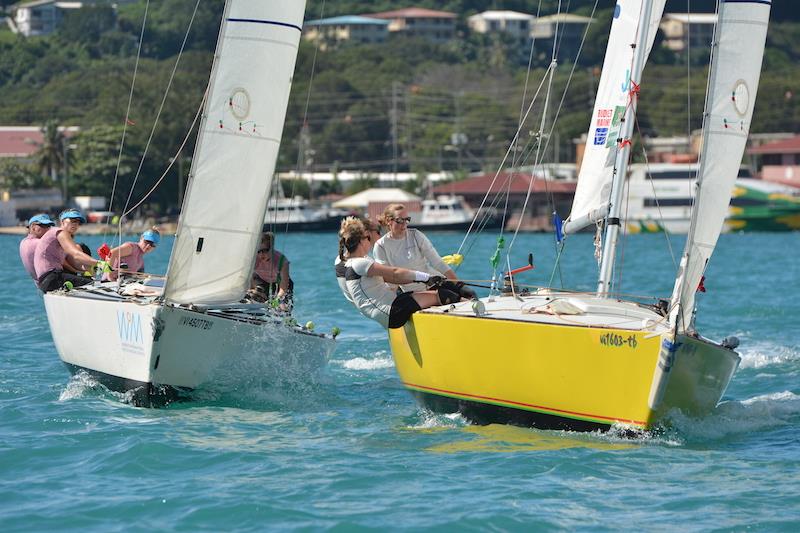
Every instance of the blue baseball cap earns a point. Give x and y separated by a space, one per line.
151 236
72 213
42 219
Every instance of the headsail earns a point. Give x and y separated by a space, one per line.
594 182
735 71
237 147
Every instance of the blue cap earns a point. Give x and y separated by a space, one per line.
72 213
151 236
43 219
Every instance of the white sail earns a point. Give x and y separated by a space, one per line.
237 147
594 181
735 71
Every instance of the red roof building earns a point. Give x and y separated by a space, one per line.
436 26
779 160
24 141
540 207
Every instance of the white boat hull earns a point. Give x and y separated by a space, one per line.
161 349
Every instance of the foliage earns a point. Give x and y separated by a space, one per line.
359 101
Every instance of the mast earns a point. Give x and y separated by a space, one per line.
623 150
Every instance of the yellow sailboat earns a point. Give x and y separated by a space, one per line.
562 360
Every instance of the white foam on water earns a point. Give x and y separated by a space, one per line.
78 385
740 417
362 363
430 420
765 353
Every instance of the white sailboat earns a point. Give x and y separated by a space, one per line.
565 360
158 339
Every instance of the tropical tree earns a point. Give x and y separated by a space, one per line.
51 155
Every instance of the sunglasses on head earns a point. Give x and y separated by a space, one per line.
401 220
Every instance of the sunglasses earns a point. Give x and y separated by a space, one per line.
263 250
151 243
405 220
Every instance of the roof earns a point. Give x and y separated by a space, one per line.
412 12
785 146
24 141
693 18
519 185
364 198
503 15
352 20
564 18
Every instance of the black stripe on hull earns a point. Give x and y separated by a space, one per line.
142 394
483 414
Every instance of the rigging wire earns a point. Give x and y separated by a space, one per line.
158 116
128 110
300 148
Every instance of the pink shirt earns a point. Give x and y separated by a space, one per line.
27 248
134 260
49 255
269 271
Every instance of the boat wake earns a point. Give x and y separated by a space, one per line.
83 384
763 354
734 418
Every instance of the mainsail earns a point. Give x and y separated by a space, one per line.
237 147
736 68
613 95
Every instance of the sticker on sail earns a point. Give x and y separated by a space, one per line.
604 117
616 120
600 135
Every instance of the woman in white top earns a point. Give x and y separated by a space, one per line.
408 248
374 231
366 281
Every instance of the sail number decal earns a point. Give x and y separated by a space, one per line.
199 323
618 341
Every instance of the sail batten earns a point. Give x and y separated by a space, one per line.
735 73
237 148
613 97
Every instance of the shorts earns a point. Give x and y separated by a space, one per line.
55 279
402 308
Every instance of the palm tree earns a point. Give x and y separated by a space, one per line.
51 157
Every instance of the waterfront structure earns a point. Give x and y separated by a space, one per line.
682 30
435 26
330 32
779 161
517 25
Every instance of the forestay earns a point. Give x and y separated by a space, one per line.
594 181
736 68
237 147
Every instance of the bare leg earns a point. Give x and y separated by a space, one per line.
426 298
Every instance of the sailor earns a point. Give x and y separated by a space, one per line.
408 248
365 281
338 265
53 249
271 279
37 226
132 253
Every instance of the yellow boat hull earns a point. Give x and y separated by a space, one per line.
552 376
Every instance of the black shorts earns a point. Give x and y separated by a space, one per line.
55 279
402 308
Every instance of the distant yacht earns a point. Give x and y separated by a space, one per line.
296 214
449 212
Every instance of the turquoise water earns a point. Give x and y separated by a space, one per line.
351 450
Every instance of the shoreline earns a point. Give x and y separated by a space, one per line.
167 228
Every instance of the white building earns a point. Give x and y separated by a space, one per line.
513 23
567 27
39 17
694 29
